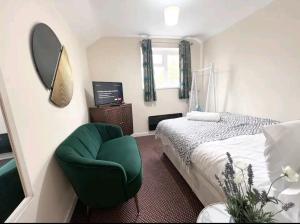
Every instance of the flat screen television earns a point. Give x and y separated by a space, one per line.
108 93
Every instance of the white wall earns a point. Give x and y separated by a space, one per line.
2 124
41 127
119 59
258 63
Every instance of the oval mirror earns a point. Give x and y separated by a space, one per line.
52 64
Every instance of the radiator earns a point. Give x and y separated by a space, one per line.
154 120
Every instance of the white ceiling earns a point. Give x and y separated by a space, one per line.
92 19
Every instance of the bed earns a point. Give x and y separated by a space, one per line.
198 151
208 157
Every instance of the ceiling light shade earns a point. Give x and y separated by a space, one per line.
171 15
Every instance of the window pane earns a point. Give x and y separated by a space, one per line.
173 70
159 76
166 67
157 59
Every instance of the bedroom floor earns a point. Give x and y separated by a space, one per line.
164 197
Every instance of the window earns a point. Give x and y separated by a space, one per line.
166 67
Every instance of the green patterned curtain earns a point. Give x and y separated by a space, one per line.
149 84
185 69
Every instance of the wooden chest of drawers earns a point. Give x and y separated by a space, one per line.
118 115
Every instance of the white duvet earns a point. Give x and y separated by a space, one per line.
210 158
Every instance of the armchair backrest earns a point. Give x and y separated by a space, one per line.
91 178
85 142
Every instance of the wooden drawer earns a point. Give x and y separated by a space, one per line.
117 115
127 122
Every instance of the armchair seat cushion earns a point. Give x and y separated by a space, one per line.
125 152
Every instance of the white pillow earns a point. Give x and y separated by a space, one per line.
282 149
203 116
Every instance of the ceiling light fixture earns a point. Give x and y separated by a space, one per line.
171 15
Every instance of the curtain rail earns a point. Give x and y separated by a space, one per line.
167 42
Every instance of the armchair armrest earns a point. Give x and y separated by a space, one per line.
109 131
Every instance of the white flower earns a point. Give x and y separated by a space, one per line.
290 174
241 165
238 178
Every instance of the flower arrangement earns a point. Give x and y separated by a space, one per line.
244 202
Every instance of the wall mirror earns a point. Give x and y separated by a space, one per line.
11 190
52 64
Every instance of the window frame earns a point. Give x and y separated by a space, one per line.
170 51
164 65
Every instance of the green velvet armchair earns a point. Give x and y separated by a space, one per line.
103 166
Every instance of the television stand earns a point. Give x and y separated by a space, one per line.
120 115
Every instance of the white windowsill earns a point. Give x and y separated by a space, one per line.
166 88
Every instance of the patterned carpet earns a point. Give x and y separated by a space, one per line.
164 198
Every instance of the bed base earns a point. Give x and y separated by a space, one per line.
204 190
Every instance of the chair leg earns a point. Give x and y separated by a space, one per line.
137 204
88 210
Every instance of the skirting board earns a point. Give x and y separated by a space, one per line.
17 213
71 210
141 134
